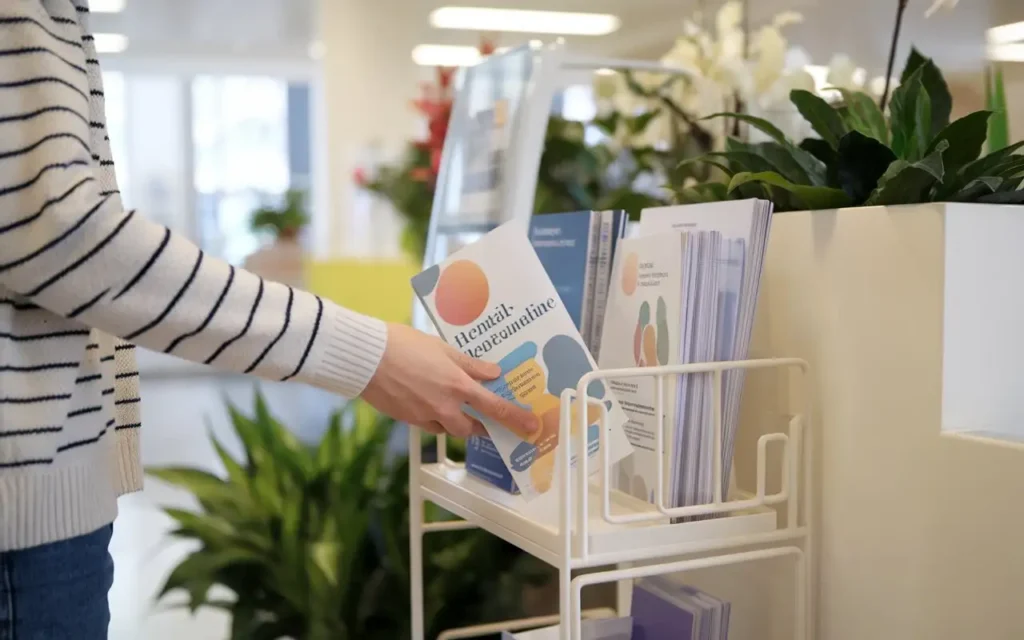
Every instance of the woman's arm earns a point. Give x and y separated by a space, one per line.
66 244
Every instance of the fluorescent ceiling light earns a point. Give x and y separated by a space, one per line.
110 42
523 21
106 6
1006 33
1006 52
445 55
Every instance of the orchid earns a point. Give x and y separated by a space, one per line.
724 73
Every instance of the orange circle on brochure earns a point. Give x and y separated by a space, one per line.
462 293
630 272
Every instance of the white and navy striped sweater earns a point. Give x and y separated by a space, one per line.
77 270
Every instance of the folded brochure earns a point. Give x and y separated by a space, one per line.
493 300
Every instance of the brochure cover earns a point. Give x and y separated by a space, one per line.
565 244
494 301
643 328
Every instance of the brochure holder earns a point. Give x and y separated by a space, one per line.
487 177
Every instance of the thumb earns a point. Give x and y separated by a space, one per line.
477 369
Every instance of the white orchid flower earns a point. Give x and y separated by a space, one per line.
842 73
769 47
730 17
938 5
787 18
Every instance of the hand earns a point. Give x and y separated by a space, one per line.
424 381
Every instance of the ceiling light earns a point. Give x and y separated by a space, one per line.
1006 33
1006 52
110 42
523 21
445 55
106 6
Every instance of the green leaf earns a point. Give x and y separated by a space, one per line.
977 188
212 492
906 183
1005 197
708 159
966 138
822 151
638 124
903 115
862 114
922 128
821 115
995 99
861 163
985 165
914 62
702 193
201 570
812 198
608 123
760 124
939 98
743 157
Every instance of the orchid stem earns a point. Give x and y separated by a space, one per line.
901 8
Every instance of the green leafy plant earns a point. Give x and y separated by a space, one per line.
995 100
863 158
285 221
313 541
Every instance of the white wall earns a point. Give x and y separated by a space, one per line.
368 81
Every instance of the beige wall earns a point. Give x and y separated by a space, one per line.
920 534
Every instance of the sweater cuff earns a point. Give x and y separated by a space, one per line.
348 349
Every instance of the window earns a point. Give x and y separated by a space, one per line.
241 155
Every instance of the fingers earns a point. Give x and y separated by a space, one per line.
460 425
508 414
462 429
477 369
433 428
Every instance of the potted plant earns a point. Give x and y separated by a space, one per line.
313 541
282 258
865 157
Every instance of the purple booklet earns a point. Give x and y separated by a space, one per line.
662 610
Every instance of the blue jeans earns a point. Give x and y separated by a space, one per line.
57 591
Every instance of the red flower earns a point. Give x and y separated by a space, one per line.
359 175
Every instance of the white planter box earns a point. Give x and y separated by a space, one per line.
910 317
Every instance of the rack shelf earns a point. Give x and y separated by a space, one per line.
512 518
572 529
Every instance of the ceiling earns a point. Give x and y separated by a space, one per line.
284 29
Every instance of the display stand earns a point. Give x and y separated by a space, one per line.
601 527
487 177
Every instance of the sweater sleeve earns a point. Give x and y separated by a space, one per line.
67 245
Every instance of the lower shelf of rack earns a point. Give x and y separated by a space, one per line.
533 526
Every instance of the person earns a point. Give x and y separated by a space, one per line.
82 281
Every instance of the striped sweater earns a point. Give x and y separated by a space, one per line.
82 280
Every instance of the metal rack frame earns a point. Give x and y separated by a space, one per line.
613 530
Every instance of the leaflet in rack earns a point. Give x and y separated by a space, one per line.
744 226
494 301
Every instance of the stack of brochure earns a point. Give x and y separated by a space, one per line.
682 291
576 250
663 610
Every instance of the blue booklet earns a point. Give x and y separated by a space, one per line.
567 245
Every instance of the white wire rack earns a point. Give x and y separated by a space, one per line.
598 527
